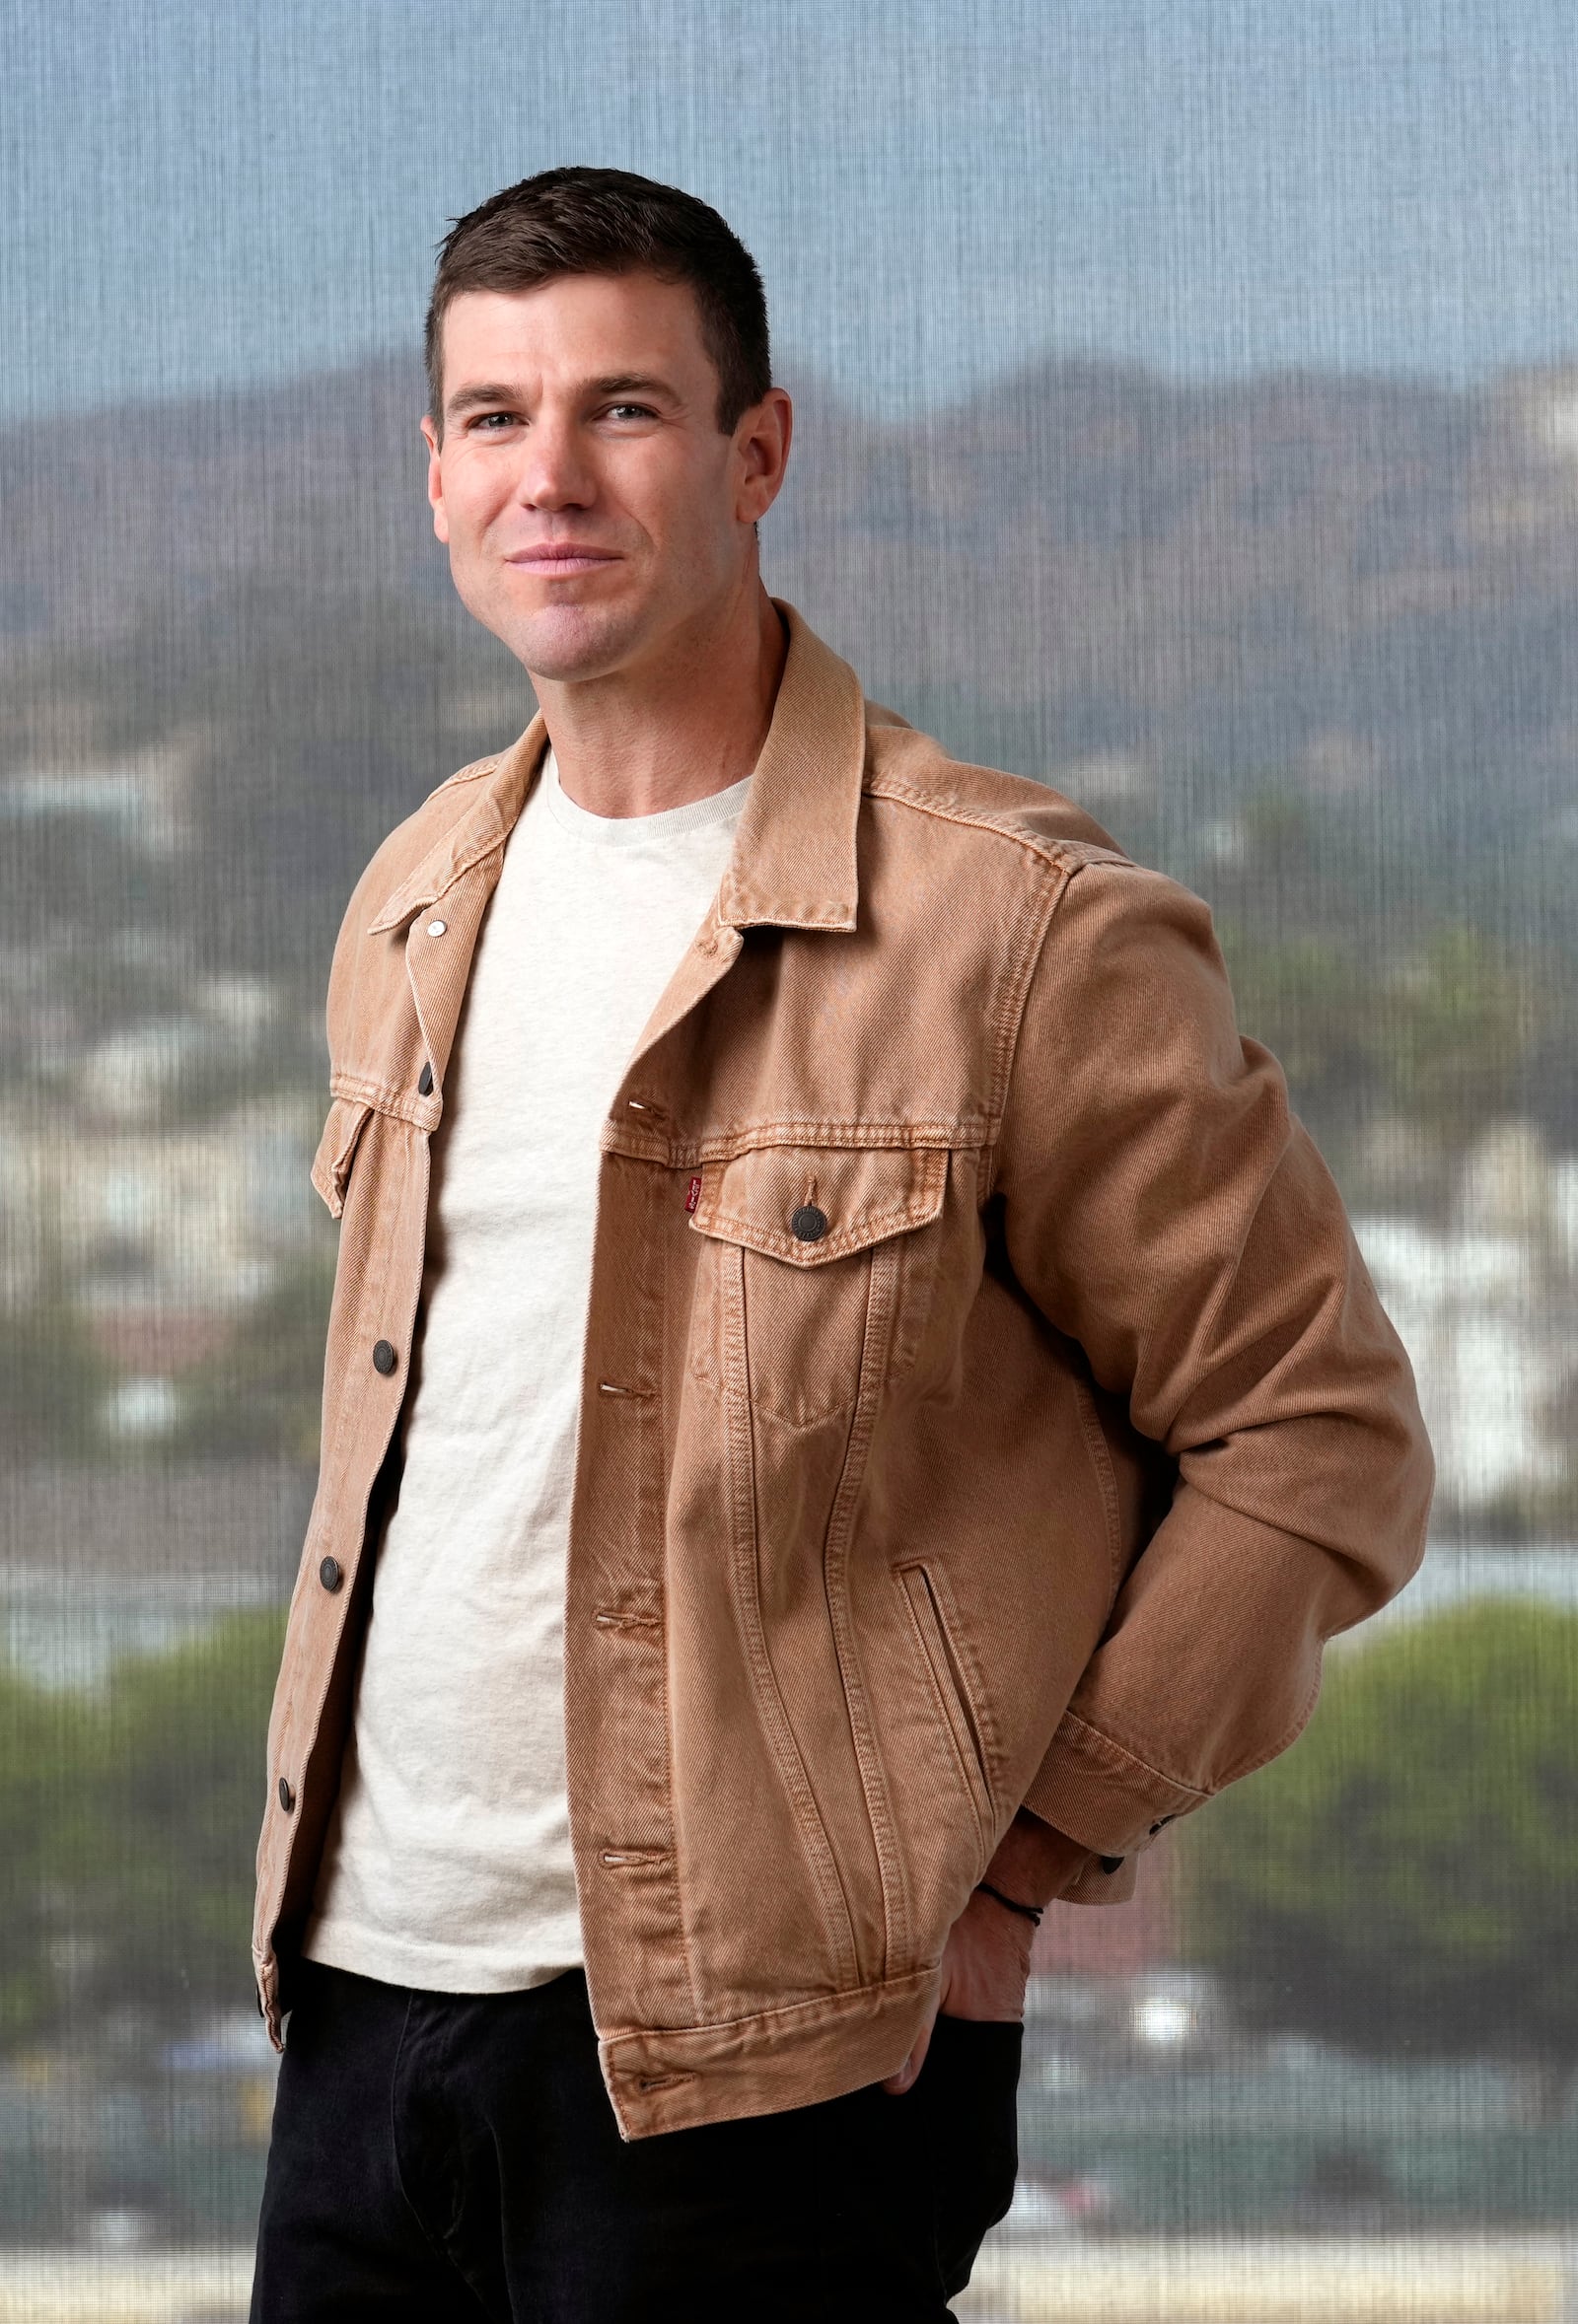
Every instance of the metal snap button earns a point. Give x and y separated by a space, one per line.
436 927
330 1573
809 1225
383 1356
424 1082
287 1798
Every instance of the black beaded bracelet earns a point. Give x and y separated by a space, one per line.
1028 1912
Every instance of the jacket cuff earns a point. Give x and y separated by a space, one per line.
1096 1885
1103 1796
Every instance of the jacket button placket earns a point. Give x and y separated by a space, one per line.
614 1641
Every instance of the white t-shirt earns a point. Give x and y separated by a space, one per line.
447 1863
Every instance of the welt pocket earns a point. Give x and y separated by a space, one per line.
337 1150
949 1679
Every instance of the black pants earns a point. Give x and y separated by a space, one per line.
450 2158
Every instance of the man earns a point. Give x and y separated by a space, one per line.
850 1402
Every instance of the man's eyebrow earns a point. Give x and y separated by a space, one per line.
488 396
633 383
478 398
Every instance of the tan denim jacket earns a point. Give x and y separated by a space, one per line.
984 1401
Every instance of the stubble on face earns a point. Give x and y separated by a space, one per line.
582 416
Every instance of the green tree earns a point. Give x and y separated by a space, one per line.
1402 1878
1453 1029
48 1831
178 1794
1308 999
127 1824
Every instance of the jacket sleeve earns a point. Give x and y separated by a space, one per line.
1163 1207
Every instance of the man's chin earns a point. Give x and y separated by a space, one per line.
574 643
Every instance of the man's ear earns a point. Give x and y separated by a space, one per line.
763 445
435 478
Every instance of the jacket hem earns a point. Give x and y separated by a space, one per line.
265 1980
673 2079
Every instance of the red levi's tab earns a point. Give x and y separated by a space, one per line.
693 1195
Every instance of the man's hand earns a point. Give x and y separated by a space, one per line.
987 1958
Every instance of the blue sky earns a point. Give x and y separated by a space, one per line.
204 195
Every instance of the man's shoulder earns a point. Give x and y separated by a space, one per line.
415 837
987 807
471 773
443 808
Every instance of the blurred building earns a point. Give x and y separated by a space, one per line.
1486 1303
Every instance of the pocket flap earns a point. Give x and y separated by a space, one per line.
331 1163
809 1204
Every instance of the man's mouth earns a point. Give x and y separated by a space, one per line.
559 560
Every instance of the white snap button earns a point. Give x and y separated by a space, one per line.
436 927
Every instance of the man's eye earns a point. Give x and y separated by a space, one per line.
485 419
630 411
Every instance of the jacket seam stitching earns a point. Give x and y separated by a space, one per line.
745 1586
1067 854
968 1134
380 924
1019 975
1100 1451
666 1686
1121 1751
971 1775
382 1097
873 1227
386 922
424 847
469 773
772 1244
1014 992
892 1881
648 2034
1067 872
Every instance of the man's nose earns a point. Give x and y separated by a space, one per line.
554 473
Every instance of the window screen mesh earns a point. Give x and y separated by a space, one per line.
1187 414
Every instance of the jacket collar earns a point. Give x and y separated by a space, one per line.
793 864
484 827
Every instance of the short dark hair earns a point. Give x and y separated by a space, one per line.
609 222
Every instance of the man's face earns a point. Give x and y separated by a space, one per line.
592 505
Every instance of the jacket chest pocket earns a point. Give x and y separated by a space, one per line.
816 1275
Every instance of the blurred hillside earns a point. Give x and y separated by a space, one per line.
1161 596
1301 640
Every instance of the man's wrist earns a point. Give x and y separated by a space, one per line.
1012 1904
1034 1861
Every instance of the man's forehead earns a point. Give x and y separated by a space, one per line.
592 323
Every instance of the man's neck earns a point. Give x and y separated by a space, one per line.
668 735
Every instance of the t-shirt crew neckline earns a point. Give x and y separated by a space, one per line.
671 822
